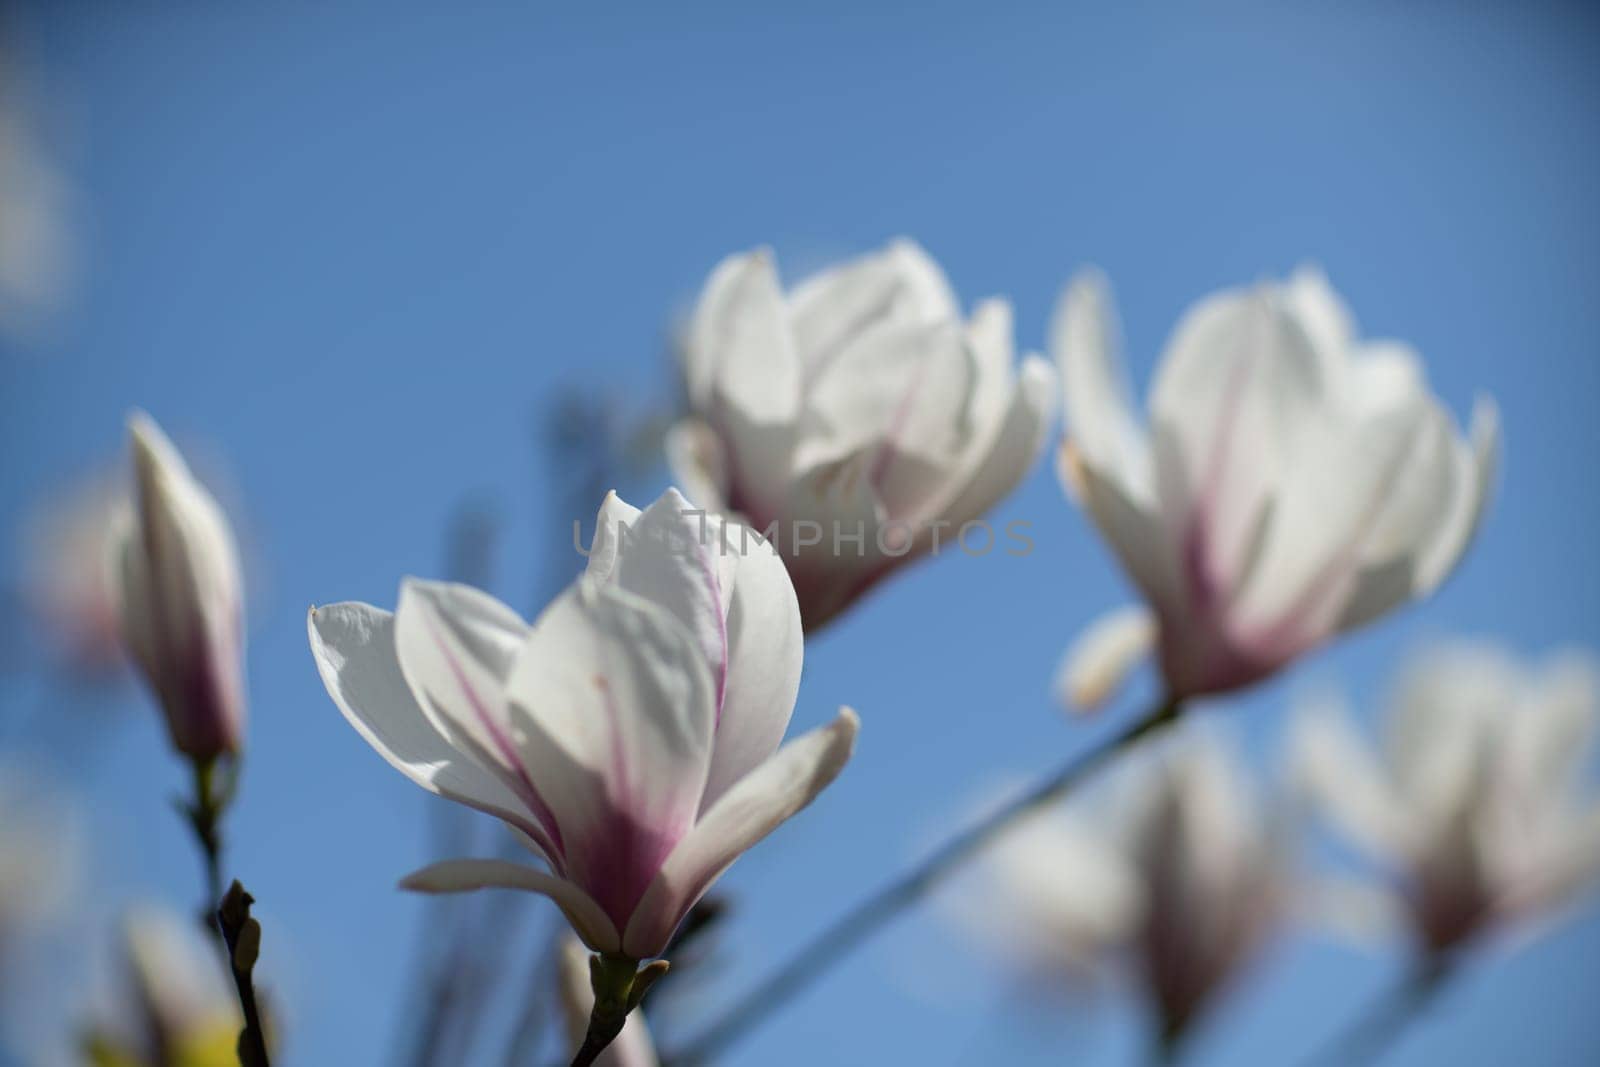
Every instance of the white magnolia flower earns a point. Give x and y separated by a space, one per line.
631 733
857 418
1181 880
181 598
632 1047
1473 807
1294 482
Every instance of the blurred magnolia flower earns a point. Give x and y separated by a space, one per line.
1474 808
1295 481
41 855
34 257
857 420
632 1047
176 1008
70 585
631 733
1182 880
181 598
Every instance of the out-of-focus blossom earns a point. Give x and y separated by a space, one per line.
176 1006
1473 808
1295 481
631 733
1057 896
33 244
858 418
632 1047
1181 882
41 855
70 583
181 598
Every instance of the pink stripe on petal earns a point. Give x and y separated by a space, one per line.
520 782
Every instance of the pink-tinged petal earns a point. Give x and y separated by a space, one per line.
613 710
695 455
765 654
1103 656
456 647
837 497
1014 448
461 876
353 645
902 392
1238 389
1134 531
1086 340
186 593
756 805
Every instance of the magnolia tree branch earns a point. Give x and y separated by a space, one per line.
1386 1018
867 917
242 934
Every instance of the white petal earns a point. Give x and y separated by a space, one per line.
1322 312
990 334
765 656
901 391
1336 771
1447 710
1103 656
899 285
1479 465
1016 447
612 526
742 354
353 645
760 802
460 876
694 453
613 711
1100 419
1237 389
1549 734
1135 531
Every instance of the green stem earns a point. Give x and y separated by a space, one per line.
205 819
867 917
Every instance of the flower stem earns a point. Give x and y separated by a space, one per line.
242 935
205 818
867 917
1375 1029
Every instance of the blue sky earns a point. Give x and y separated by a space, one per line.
353 249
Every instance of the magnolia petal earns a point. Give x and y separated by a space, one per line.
756 805
1322 313
1023 431
1086 341
460 876
1135 532
611 529
695 455
353 645
1103 656
613 711
765 656
741 351
899 284
1479 463
901 391
1239 387
456 646
1336 771
990 347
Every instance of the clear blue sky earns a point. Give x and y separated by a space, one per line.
354 248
